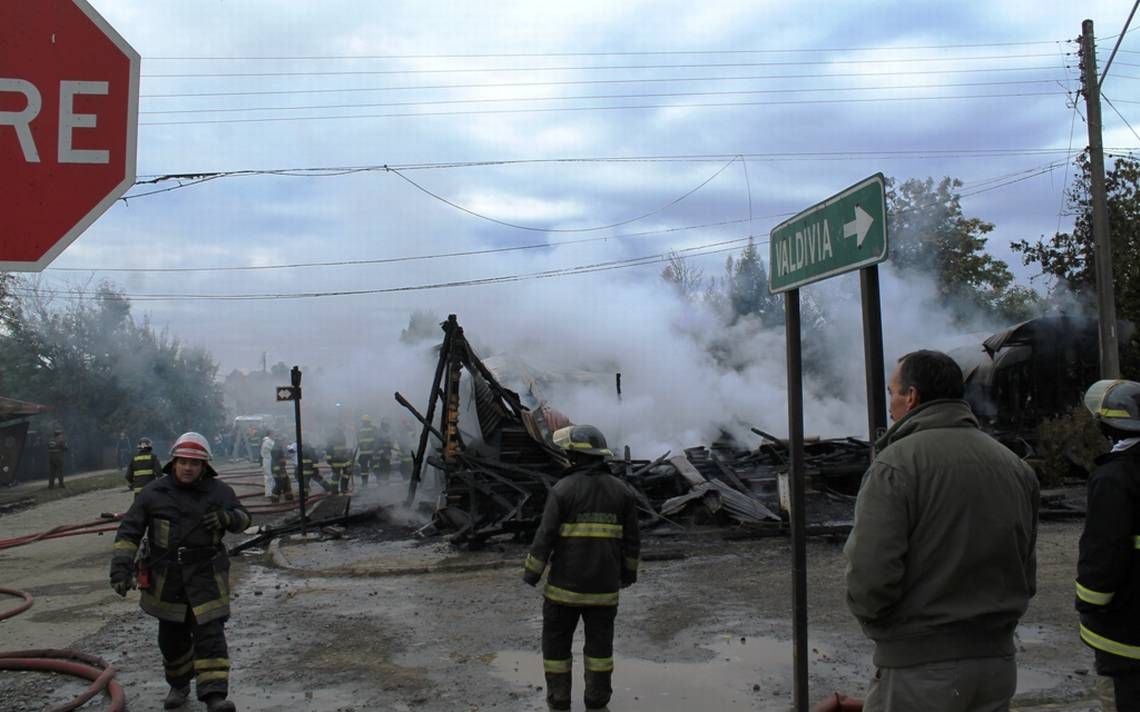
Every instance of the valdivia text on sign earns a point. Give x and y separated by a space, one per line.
804 248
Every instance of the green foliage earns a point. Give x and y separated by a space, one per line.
101 372
1069 256
929 234
746 282
1067 446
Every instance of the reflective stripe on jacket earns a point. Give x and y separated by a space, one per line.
590 536
172 517
1108 570
143 468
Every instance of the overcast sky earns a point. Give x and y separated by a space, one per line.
768 107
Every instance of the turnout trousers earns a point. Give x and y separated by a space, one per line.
195 650
365 461
558 624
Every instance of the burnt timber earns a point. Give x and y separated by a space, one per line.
494 475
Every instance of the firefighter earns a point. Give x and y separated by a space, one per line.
340 459
589 536
185 573
366 443
311 469
252 445
1108 569
55 449
384 447
282 486
143 467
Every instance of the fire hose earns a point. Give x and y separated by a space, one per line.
100 526
66 662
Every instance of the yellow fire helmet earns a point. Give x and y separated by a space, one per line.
583 439
1116 403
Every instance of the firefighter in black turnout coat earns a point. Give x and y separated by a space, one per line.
1108 570
589 536
184 516
143 468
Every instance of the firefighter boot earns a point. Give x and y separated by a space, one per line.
217 702
176 698
558 690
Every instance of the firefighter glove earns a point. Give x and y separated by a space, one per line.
121 583
531 578
219 519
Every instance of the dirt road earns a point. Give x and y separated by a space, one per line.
376 623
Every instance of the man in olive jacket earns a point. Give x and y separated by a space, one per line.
185 515
940 562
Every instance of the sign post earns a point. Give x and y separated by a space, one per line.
69 93
845 232
293 393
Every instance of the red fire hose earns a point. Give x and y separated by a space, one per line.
66 662
20 608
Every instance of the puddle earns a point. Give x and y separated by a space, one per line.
723 682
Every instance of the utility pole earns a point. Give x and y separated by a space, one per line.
1102 247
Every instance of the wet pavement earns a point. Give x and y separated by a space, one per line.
378 621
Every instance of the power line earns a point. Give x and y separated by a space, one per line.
696 251
411 258
1109 101
699 250
582 82
585 68
538 229
187 180
542 110
1118 41
658 95
642 53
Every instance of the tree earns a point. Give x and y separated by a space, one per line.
101 372
687 279
1069 256
746 282
929 234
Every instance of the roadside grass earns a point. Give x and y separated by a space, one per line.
35 493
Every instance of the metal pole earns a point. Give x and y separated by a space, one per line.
796 481
1102 251
873 352
618 378
295 377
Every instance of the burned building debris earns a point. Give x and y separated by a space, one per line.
494 470
1032 371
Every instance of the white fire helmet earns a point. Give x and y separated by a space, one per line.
191 446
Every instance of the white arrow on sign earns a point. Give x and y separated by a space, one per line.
859 226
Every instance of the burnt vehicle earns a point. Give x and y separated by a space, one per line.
1033 371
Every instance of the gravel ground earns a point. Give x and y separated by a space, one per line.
379 621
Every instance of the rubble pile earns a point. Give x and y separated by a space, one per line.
495 481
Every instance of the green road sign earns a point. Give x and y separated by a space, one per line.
843 233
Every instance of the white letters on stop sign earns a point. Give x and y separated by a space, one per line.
68 120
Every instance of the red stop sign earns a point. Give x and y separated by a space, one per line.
68 124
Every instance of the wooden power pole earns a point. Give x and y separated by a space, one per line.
1102 247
